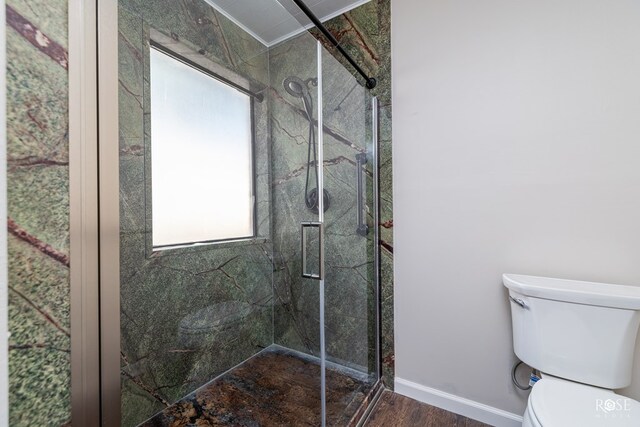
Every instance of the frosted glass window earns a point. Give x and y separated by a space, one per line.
201 156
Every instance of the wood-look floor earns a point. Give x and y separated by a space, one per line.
394 410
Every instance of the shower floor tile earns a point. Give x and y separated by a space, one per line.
276 387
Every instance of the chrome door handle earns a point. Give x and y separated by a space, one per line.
518 301
363 228
320 227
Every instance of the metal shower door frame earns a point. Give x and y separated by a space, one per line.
94 212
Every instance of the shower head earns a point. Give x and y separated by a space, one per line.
295 86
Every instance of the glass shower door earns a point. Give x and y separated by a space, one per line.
295 108
350 230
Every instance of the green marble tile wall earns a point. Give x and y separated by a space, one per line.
187 314
38 209
350 325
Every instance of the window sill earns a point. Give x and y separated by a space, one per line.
206 246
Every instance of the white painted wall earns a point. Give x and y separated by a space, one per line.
4 374
516 149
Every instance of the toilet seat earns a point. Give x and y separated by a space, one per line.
555 402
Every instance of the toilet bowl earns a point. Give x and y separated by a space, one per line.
581 336
555 402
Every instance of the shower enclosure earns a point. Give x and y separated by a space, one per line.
248 248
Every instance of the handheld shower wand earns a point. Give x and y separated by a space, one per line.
298 88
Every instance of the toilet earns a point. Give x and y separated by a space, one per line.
581 336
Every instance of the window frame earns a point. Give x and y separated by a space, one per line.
253 237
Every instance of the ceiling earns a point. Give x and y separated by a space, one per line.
272 21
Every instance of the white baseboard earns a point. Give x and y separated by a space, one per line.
459 405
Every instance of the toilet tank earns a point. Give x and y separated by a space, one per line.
581 331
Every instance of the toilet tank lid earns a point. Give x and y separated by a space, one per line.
575 291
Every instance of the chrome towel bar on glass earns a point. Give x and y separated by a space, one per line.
312 224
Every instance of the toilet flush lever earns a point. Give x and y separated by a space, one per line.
518 301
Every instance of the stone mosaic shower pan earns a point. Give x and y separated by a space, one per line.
283 319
